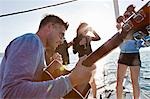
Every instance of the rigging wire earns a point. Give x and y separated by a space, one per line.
37 8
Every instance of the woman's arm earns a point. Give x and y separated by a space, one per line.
97 37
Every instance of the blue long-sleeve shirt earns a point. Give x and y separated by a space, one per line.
21 69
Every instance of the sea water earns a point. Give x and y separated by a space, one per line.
110 62
106 73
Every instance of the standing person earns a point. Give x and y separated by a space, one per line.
23 62
62 49
129 56
82 46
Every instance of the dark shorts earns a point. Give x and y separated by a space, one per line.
130 59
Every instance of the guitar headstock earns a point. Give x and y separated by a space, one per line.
133 21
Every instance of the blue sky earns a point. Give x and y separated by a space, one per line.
97 13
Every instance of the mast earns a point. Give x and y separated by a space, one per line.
116 8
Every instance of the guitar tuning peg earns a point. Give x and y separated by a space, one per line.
131 9
127 14
120 19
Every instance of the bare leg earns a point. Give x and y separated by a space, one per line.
121 71
135 80
93 84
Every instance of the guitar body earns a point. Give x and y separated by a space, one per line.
79 92
55 70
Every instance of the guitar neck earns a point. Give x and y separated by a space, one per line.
105 49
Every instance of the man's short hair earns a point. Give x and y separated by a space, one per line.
54 19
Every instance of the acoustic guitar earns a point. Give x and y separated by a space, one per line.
139 21
56 69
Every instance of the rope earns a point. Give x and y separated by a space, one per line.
36 8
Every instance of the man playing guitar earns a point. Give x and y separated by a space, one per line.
139 21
